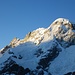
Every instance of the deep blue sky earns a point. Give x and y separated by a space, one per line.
18 17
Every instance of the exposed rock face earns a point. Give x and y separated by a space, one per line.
4 49
12 68
45 51
15 42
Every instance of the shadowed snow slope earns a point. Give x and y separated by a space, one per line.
44 51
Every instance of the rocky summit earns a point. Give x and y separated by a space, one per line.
44 51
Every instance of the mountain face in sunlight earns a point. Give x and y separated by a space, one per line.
44 51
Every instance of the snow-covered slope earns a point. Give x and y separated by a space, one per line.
44 51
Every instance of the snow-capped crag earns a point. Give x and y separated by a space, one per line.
44 51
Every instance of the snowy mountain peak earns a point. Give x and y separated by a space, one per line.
44 51
62 20
63 30
60 28
58 23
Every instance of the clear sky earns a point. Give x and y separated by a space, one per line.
18 17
